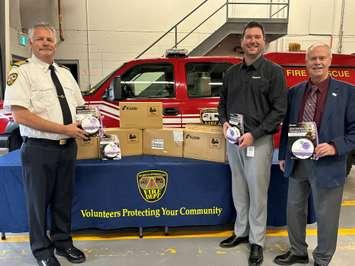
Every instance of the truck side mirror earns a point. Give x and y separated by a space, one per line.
115 91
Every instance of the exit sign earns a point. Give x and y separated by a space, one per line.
22 39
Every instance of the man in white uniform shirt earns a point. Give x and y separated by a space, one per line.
43 96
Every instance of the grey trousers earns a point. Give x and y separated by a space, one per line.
250 183
327 203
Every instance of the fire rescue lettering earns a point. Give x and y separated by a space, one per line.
303 73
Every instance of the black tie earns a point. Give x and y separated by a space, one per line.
67 119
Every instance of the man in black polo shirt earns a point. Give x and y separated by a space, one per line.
254 96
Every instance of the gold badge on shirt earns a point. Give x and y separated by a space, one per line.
11 79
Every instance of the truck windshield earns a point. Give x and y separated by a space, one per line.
149 81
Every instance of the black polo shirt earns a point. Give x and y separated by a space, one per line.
258 92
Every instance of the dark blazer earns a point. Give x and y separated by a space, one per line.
337 127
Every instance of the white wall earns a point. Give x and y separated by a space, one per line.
103 34
15 29
119 30
312 21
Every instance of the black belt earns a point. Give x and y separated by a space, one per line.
58 142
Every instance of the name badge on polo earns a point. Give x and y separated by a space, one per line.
250 151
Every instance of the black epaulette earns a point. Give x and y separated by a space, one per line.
19 63
63 66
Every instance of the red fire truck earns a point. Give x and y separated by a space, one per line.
184 85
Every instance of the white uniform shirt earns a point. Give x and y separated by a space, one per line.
30 85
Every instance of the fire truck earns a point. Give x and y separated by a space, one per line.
185 85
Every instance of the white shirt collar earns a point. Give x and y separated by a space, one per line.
44 66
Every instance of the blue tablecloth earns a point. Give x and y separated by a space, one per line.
107 194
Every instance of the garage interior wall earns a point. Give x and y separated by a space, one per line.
103 34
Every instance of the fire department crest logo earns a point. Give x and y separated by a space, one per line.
152 184
11 78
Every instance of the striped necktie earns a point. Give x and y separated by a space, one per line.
310 105
67 119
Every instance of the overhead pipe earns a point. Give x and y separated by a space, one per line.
60 20
87 42
341 30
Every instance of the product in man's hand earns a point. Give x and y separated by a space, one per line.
88 118
233 134
236 129
303 138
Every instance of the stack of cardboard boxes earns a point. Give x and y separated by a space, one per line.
141 132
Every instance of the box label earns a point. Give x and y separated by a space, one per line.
157 144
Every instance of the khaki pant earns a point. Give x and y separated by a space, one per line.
250 183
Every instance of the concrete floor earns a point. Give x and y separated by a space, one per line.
182 247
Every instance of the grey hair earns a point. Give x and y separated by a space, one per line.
318 44
41 25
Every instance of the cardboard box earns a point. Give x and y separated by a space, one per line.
141 115
165 141
204 143
131 140
88 149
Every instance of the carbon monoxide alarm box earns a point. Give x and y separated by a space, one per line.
141 115
130 140
204 143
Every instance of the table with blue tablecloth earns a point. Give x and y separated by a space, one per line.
112 194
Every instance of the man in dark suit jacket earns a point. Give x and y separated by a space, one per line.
334 115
